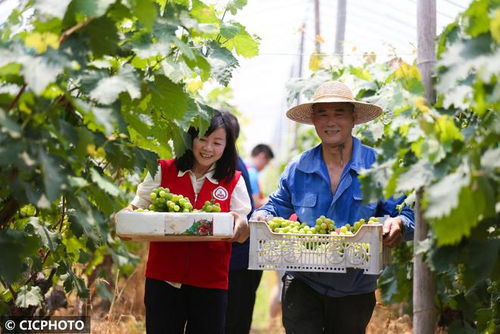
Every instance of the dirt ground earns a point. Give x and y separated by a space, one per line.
125 314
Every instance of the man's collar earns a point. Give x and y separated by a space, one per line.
209 175
356 158
308 162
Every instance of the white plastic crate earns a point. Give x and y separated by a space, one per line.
316 252
174 226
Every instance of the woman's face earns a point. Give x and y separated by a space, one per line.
207 150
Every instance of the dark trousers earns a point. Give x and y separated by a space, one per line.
171 310
241 298
307 311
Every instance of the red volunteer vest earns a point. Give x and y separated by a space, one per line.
201 264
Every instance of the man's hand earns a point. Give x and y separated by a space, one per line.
392 231
241 231
259 216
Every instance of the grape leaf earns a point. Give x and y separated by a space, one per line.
92 8
244 44
471 204
53 178
41 70
443 196
491 159
234 5
103 36
108 89
55 8
416 176
169 97
29 296
9 126
145 11
104 184
16 246
49 239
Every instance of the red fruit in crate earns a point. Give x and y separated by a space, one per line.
203 229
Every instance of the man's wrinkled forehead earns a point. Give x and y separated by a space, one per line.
333 106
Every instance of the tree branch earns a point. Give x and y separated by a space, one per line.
8 286
71 30
8 211
16 99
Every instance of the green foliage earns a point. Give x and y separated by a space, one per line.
450 150
92 93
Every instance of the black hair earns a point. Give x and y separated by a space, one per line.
226 165
234 123
263 148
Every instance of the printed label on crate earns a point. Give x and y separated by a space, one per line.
197 226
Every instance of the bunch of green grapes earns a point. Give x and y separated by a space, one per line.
325 225
361 222
281 225
211 206
164 201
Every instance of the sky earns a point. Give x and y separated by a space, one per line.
259 84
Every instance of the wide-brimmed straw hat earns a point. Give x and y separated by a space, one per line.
334 92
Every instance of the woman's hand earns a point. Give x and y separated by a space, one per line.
129 208
241 231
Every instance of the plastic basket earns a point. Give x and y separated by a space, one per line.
316 252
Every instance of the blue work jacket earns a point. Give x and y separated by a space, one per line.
305 189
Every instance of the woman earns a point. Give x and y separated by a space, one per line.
186 282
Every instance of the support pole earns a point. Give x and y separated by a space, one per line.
424 287
317 26
340 29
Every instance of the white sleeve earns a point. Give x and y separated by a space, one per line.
240 201
144 189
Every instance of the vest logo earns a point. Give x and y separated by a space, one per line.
220 193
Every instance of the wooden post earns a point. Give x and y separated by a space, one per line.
424 287
317 26
295 125
340 29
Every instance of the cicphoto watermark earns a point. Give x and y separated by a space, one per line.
76 324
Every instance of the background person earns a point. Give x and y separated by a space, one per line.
260 157
243 283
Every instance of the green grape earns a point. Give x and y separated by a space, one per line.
164 201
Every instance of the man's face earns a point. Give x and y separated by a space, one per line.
261 160
333 122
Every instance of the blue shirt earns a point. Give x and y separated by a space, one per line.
305 189
253 175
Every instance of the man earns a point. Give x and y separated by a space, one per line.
243 283
260 157
324 181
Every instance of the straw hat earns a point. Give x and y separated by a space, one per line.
334 91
